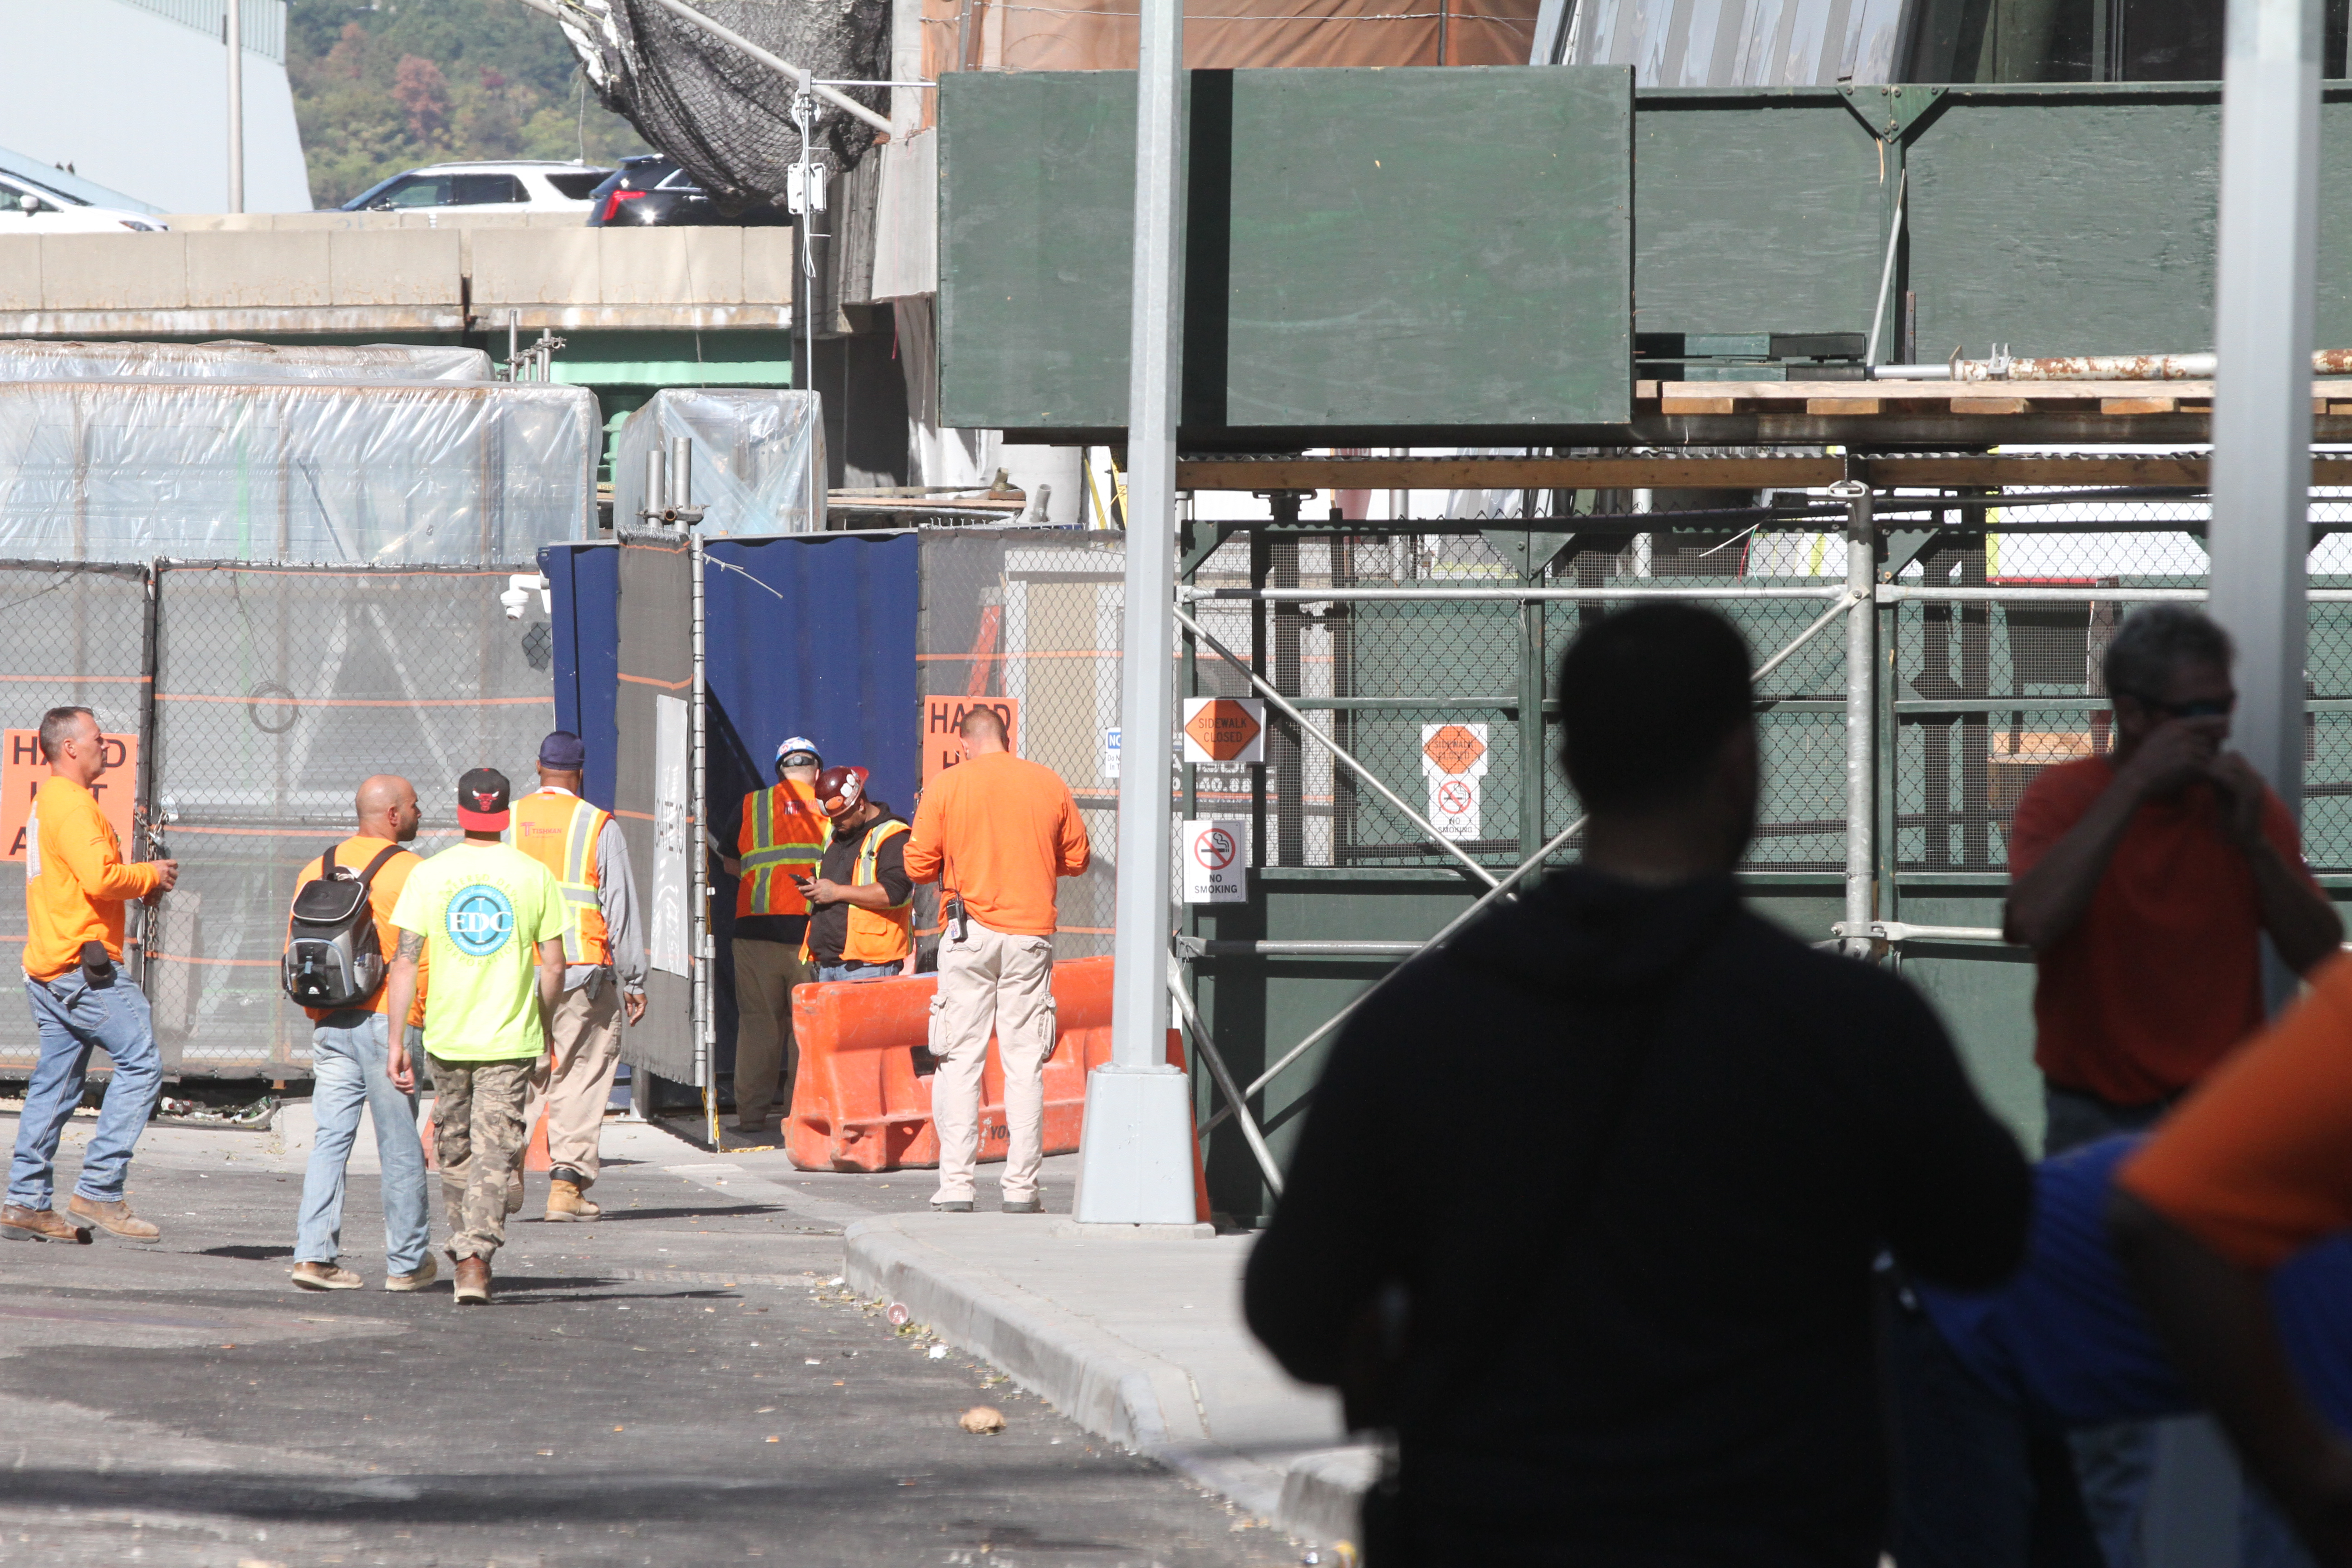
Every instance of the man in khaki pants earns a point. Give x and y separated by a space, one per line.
994 832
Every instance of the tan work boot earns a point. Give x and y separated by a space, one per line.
427 1272
566 1201
18 1223
115 1218
324 1277
473 1282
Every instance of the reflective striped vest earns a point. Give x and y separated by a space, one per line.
876 936
782 836
559 830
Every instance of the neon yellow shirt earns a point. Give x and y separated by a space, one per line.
482 909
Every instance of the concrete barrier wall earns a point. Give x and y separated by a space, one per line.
394 275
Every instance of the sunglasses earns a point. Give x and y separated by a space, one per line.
2209 708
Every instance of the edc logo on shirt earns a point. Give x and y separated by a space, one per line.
480 919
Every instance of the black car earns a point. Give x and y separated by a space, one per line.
650 191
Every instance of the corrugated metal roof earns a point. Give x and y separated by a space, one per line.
263 22
1726 43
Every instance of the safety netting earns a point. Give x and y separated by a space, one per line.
325 472
723 115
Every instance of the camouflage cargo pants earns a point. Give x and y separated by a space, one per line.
477 1136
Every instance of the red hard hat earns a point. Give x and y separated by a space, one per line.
839 790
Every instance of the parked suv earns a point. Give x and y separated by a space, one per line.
29 208
650 191
524 187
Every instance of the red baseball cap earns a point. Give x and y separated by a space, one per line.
482 799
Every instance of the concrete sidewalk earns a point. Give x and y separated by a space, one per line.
1137 1337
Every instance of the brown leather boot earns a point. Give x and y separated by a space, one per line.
18 1223
566 1201
473 1282
115 1218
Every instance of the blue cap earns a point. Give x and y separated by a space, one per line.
563 752
799 744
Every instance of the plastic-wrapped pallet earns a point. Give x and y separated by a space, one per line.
318 472
759 461
24 360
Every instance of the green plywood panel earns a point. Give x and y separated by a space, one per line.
1036 247
2065 222
1364 248
1428 246
1757 213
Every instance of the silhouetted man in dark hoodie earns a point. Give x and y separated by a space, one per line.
1599 1182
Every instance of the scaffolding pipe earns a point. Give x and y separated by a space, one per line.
1496 596
1558 842
1338 753
1214 1059
800 78
1861 709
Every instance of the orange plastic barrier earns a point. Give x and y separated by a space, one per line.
858 1104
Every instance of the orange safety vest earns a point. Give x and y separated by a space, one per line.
876 936
782 836
560 831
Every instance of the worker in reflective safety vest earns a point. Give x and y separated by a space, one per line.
777 846
862 903
604 968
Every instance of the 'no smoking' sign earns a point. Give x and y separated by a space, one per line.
1453 760
1214 873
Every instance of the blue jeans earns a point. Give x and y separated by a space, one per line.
351 1070
74 1017
826 972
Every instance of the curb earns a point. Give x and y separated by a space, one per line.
1107 1385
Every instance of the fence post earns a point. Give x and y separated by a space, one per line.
697 914
1861 711
144 838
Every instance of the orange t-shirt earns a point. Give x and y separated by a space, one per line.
75 880
2164 974
2258 1163
383 894
998 830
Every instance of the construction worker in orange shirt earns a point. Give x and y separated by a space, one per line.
779 841
75 887
996 833
604 967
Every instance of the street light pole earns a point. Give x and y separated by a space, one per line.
2263 329
233 34
1134 1153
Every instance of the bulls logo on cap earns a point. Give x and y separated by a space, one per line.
482 796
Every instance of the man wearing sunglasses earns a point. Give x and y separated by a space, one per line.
2144 880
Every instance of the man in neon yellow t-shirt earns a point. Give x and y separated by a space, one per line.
490 920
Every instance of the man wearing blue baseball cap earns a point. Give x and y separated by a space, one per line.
603 966
780 837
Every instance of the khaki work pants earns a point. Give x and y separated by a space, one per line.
577 1088
477 1139
991 982
765 1055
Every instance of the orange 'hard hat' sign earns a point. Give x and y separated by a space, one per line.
1454 748
1224 729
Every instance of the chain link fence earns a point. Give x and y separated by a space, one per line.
275 690
1033 620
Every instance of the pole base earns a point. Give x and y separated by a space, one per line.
1135 1148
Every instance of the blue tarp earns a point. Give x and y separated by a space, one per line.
586 613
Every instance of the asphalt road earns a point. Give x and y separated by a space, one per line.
678 1384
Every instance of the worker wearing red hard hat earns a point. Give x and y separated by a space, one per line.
861 901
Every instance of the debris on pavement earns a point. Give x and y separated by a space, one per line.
982 1421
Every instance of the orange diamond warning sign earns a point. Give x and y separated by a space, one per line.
1454 748
1225 730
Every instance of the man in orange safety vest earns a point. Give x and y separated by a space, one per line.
604 967
861 903
778 843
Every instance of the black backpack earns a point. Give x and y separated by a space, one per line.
332 957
